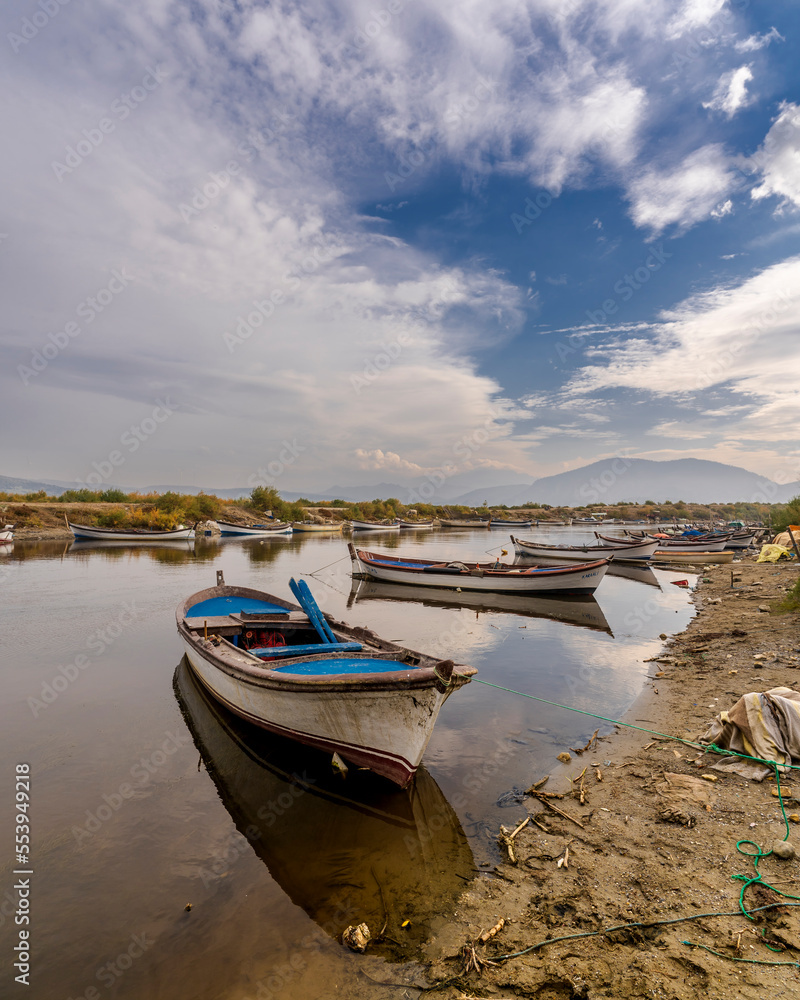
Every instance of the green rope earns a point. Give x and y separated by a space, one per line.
732 958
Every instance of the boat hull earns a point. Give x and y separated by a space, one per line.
371 526
303 526
380 720
579 579
451 523
110 534
676 556
254 531
580 553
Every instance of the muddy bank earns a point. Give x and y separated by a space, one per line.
626 862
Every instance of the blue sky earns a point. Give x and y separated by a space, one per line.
357 242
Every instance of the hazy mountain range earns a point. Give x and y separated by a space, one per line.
608 481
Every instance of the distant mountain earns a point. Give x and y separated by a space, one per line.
638 479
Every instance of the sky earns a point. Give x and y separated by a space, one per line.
305 243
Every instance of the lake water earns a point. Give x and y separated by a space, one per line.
146 797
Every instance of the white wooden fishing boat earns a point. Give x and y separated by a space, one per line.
619 549
501 523
696 556
300 674
328 526
494 577
7 533
128 535
229 530
741 540
682 543
464 522
375 525
415 524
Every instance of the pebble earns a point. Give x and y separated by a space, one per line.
783 849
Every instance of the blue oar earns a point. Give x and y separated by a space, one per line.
311 608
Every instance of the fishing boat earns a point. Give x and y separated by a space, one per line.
7 533
619 549
129 534
228 530
464 522
495 577
582 611
375 525
298 673
415 524
681 544
696 556
327 526
500 523
741 540
553 524
327 842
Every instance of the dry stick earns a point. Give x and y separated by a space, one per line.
560 813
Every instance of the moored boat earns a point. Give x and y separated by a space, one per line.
464 522
229 530
7 533
375 525
696 556
619 549
495 577
415 524
300 674
501 523
128 535
315 526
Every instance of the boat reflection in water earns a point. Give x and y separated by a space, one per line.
347 850
628 571
583 611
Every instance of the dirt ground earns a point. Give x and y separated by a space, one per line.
626 863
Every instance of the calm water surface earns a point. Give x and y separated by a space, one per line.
147 797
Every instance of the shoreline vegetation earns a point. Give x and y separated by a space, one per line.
37 515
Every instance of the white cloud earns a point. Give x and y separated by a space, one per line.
778 159
730 93
723 209
755 42
682 194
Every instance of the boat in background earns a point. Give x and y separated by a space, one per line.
129 535
582 611
415 524
500 523
741 540
464 522
337 840
620 549
375 525
7 533
494 577
683 557
298 673
328 526
228 530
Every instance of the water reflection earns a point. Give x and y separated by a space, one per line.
346 851
627 571
583 611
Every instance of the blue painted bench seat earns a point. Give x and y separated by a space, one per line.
215 606
271 652
343 665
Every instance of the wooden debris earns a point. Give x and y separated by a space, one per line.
592 739
672 814
488 935
542 798
507 839
564 862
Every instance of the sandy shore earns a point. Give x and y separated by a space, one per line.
626 864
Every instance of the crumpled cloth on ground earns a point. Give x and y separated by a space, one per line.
765 725
772 553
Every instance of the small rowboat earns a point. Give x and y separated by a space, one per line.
415 524
230 530
464 522
741 540
500 523
495 577
7 533
681 556
618 548
375 525
128 535
314 526
298 673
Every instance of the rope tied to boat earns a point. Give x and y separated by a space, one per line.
443 672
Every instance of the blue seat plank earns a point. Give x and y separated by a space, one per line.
342 665
271 652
